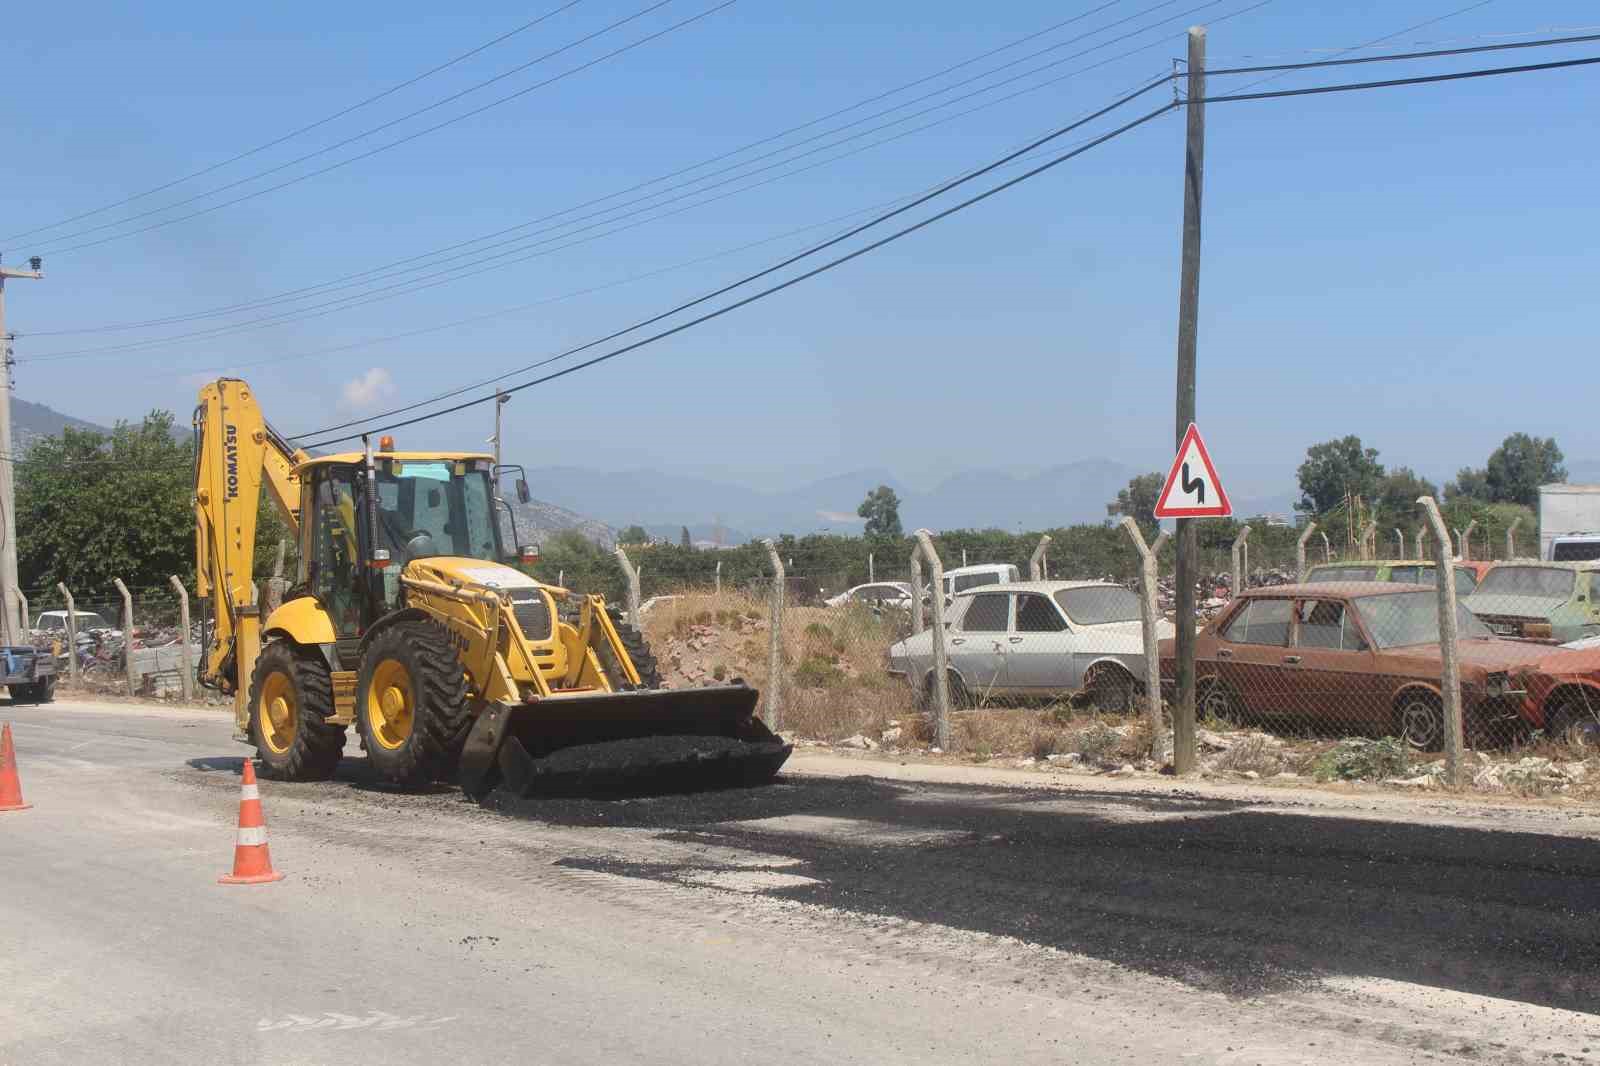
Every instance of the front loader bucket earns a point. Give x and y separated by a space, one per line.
659 740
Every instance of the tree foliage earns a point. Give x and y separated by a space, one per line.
1336 468
881 509
634 534
92 507
1520 465
1138 500
684 541
1397 495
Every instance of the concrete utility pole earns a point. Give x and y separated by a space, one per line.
1183 754
8 465
1300 552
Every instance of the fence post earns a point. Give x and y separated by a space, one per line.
1238 560
963 557
719 577
23 612
183 640
72 633
1327 549
872 573
1369 534
775 643
1148 616
127 632
1466 541
917 623
1422 542
1451 679
1036 561
1511 538
1300 552
1400 538
941 667
633 586
561 578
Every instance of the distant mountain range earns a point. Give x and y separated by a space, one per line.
663 503
598 503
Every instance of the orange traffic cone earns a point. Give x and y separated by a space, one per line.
252 865
10 784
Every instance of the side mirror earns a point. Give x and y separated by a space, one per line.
523 495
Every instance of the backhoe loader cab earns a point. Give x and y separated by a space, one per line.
407 622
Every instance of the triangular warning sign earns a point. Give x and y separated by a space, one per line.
1193 489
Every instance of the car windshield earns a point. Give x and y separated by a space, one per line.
1542 581
435 507
1099 603
1413 618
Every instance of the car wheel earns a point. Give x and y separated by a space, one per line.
960 700
1218 703
1110 690
1419 721
1576 723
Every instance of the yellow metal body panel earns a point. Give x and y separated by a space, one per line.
303 621
359 458
344 697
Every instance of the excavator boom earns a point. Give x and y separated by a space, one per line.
236 454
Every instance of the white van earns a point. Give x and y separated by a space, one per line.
966 577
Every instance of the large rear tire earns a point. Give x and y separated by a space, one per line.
291 698
633 642
411 703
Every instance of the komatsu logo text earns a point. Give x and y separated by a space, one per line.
230 448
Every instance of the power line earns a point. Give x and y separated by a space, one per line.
1392 82
382 147
1544 43
390 91
772 290
1544 31
334 284
1349 87
936 191
481 264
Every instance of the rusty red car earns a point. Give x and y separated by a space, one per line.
1365 657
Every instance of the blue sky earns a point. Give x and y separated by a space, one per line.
1414 266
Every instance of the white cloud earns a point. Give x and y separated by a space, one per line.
839 516
366 391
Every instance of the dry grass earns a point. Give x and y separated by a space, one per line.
1255 752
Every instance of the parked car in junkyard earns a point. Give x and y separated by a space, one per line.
961 578
1365 657
1558 602
54 623
1041 640
876 595
1402 571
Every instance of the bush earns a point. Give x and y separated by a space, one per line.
1359 759
719 672
1253 752
1046 743
1096 743
817 629
818 672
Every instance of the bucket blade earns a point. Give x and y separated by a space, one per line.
643 741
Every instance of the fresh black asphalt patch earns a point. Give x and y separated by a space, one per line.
1225 898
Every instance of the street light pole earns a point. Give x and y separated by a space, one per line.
8 464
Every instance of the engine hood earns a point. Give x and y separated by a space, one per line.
474 573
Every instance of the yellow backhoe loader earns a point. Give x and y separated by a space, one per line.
407 621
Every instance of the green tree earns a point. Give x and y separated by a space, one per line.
881 509
1520 465
92 507
634 534
1398 492
1469 484
684 541
1335 468
1138 500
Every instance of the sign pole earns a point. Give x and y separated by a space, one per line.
1183 749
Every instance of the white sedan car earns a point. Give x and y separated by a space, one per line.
1035 640
876 595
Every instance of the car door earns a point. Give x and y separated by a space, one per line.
978 645
1250 651
1329 674
1040 661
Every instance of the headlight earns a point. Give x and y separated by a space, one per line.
1498 684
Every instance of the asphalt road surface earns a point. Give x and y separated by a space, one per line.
825 919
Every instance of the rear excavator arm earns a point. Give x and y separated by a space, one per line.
236 453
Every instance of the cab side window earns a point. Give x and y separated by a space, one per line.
334 562
1262 622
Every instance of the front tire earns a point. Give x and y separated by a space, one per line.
1110 690
1419 721
291 699
633 642
1575 723
411 703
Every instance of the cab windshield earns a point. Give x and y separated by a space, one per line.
434 507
